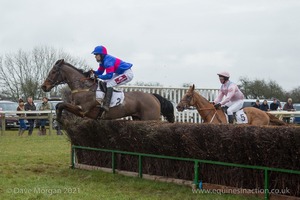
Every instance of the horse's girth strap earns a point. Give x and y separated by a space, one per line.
82 90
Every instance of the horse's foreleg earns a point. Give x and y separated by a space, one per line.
68 107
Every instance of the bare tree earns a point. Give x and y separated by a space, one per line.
22 73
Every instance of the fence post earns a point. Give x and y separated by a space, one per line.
113 162
196 173
50 118
73 157
266 185
140 167
2 123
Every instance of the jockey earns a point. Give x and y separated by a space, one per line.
117 71
233 96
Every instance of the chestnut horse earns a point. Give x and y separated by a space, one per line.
209 114
139 105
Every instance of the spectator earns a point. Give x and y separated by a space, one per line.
29 106
274 105
264 106
257 104
45 106
288 107
22 127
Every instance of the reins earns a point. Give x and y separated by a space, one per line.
203 109
55 83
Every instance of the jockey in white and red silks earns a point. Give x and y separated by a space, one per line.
117 72
233 96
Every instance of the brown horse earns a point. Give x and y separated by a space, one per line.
209 114
139 105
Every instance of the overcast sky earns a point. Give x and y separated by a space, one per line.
168 41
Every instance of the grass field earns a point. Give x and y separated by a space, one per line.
37 167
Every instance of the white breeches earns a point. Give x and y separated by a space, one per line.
117 79
234 106
120 79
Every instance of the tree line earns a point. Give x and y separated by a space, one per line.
22 73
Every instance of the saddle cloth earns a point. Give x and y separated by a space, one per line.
241 117
116 99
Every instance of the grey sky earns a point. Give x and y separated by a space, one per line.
168 41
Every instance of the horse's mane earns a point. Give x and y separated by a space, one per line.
199 95
61 61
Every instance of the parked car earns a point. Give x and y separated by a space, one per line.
296 117
11 120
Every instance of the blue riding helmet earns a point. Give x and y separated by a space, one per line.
99 50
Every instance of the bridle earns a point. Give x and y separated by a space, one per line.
57 82
59 79
187 101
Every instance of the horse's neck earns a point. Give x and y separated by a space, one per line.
207 111
74 78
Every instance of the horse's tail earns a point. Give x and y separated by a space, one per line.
166 107
275 121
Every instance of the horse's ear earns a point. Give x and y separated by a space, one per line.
59 62
193 87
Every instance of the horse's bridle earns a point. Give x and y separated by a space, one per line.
54 83
188 100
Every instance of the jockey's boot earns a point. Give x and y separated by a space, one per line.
230 119
107 99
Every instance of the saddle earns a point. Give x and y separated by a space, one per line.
117 96
240 116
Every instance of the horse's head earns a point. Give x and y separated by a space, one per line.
187 100
55 77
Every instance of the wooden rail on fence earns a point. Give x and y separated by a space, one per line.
283 113
37 115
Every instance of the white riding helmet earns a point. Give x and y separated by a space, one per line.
224 73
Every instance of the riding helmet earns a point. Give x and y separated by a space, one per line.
99 50
224 74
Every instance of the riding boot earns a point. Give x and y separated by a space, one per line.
230 119
107 99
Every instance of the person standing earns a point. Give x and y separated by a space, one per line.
45 106
29 106
265 106
233 96
274 105
22 123
257 104
288 107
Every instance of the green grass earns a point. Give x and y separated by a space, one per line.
37 167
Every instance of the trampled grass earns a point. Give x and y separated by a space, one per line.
37 167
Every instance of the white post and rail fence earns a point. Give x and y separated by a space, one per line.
172 94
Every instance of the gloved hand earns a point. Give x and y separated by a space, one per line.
217 105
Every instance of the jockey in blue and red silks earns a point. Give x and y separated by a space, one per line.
117 71
234 97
